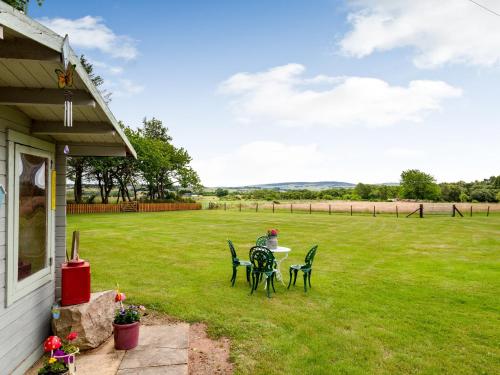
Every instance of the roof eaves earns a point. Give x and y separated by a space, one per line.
18 21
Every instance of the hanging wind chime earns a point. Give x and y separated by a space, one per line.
65 82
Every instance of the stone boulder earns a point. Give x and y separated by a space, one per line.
93 321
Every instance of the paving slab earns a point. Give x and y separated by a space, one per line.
102 364
160 370
153 357
171 336
162 349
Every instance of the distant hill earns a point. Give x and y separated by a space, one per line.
318 185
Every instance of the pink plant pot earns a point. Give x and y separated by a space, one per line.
126 335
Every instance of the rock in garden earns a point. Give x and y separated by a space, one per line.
92 320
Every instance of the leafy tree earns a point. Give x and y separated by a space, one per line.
96 79
451 192
419 185
464 197
154 129
219 192
495 182
76 169
483 195
22 5
102 170
162 166
363 190
77 166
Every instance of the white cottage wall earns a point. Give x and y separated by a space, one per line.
26 323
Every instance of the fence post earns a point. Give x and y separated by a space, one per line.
397 212
224 206
273 207
291 208
471 210
421 210
240 207
373 210
488 211
329 209
310 208
351 209
257 207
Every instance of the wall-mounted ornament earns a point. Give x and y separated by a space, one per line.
53 189
2 194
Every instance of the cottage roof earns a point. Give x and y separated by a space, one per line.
29 55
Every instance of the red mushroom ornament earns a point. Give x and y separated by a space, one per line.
52 343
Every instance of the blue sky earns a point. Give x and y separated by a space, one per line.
267 91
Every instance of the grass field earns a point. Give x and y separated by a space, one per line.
388 295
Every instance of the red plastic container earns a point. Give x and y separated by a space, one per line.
126 335
75 283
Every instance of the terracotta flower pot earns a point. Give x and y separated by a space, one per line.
126 335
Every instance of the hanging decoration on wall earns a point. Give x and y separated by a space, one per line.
2 194
65 82
53 182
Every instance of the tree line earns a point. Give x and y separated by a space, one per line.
414 185
161 172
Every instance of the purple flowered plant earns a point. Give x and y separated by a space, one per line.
62 355
126 314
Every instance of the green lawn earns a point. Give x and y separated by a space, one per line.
388 295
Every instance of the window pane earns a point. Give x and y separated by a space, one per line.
33 199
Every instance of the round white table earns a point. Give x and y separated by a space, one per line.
280 254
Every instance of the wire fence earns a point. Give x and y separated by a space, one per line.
399 209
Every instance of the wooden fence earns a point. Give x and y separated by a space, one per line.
155 207
73 208
92 208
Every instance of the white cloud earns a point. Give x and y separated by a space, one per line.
112 69
283 95
91 33
125 88
265 161
115 70
440 32
403 153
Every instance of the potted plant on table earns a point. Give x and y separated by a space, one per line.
62 355
272 239
126 324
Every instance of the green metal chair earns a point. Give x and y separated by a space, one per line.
305 268
237 262
262 260
261 241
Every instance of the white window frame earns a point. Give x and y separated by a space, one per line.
17 143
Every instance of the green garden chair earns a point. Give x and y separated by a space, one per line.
305 268
261 241
236 263
262 260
